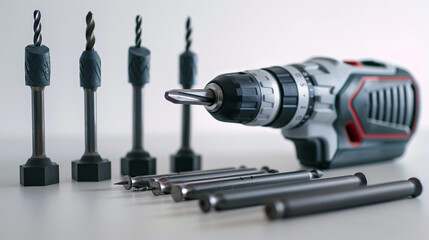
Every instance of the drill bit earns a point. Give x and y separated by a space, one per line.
144 181
188 34
39 170
91 167
90 38
138 31
138 161
37 27
194 190
190 96
185 159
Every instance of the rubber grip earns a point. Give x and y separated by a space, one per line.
188 69
138 65
37 66
90 69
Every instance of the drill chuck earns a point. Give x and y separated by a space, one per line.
262 97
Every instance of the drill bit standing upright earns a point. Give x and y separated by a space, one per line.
91 167
185 159
39 170
138 161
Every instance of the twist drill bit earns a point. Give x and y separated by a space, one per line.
37 27
91 167
90 38
138 31
185 159
138 161
188 34
39 170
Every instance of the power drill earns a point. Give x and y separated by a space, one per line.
338 113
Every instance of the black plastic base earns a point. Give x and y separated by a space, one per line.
91 169
138 163
185 160
39 172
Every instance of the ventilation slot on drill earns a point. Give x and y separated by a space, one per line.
394 105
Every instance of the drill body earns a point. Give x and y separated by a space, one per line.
336 113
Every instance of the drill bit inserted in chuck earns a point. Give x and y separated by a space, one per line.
191 96
39 170
138 161
185 159
91 167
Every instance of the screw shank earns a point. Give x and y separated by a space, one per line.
37 66
138 65
90 69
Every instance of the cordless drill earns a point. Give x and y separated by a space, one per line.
337 113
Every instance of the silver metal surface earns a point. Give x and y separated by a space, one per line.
303 96
270 101
159 187
38 118
90 121
190 96
218 93
178 193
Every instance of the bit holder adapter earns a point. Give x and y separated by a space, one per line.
39 170
138 161
91 167
185 159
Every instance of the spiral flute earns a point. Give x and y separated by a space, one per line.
188 34
37 27
138 31
90 38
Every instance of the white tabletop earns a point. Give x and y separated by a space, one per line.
100 210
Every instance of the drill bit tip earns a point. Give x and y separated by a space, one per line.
138 31
37 27
121 183
191 96
90 25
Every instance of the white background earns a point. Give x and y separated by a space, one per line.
228 36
